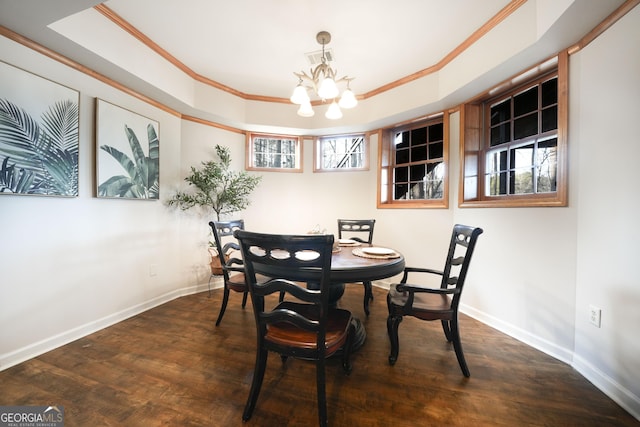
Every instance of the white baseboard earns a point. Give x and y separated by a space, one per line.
615 391
563 354
610 387
13 358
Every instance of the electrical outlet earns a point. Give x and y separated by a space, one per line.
594 315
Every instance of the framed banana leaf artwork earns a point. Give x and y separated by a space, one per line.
128 153
39 140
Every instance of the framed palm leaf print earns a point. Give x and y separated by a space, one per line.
39 140
128 153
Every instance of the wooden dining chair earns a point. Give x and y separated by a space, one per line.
355 229
232 267
441 303
305 326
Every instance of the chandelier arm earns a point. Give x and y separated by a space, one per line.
330 72
315 73
344 79
302 75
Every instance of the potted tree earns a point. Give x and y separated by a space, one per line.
219 188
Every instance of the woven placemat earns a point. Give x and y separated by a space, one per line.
358 252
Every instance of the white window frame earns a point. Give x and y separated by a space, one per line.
253 152
320 153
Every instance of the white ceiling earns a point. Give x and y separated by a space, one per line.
254 46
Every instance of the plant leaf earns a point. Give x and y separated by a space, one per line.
19 135
47 155
124 160
61 124
116 186
138 156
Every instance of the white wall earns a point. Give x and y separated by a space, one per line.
70 266
537 271
73 265
605 87
523 274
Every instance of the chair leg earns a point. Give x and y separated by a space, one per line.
322 397
346 350
446 327
244 299
368 296
225 300
392 330
256 384
457 346
209 285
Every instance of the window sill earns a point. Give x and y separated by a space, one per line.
515 202
414 204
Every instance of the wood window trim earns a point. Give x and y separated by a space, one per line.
317 155
385 169
472 162
249 153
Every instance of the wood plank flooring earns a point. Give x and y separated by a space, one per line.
171 366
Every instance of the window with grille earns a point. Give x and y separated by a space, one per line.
413 165
514 144
341 153
523 141
273 153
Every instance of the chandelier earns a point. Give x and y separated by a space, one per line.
323 81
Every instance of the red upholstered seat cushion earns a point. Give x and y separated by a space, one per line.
285 333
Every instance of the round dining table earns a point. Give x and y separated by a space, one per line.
347 267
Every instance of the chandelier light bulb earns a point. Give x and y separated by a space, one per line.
305 109
348 99
333 112
299 95
328 89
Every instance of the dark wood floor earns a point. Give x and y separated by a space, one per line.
171 366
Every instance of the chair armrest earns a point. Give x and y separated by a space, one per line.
405 287
234 264
408 270
410 290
